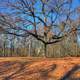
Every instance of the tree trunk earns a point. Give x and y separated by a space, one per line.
45 50
30 45
4 50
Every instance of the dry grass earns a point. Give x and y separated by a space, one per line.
23 68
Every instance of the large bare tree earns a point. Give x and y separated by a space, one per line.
26 17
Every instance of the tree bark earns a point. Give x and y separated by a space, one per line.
45 50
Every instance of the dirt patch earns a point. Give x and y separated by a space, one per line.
22 68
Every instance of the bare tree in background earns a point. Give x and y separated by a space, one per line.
28 16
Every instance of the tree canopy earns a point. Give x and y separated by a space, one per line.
49 21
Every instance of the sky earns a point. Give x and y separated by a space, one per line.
75 4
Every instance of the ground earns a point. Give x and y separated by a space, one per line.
23 68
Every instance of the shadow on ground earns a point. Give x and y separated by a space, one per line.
25 71
38 70
70 75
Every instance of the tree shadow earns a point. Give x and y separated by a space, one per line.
42 71
68 75
22 65
4 65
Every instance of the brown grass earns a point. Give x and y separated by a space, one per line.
23 68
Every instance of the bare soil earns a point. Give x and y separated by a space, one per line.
28 68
